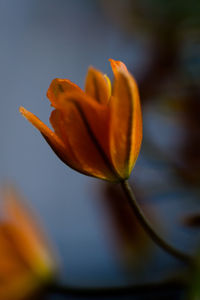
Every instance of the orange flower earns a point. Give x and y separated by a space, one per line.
26 263
97 132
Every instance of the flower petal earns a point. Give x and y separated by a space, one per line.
97 86
60 86
97 115
10 263
118 66
58 123
22 286
126 120
74 127
16 279
54 141
26 236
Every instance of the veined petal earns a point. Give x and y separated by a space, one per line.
97 115
97 86
58 123
74 127
126 120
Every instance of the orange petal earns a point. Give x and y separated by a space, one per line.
98 118
77 130
117 66
97 115
126 120
96 86
54 141
11 262
59 87
25 234
58 123
18 286
16 279
109 84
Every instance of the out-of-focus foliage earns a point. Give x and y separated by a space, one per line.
152 16
133 244
171 31
194 290
169 35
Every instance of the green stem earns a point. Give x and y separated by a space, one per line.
116 291
149 229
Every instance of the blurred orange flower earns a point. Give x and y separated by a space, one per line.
26 262
98 131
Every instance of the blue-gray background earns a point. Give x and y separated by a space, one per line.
41 40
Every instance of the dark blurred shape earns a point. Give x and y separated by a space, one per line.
149 16
131 241
190 150
192 220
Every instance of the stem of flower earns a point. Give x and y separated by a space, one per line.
99 292
148 227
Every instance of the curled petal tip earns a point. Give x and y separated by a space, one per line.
22 110
117 66
25 113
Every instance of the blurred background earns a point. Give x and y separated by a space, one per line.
97 237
